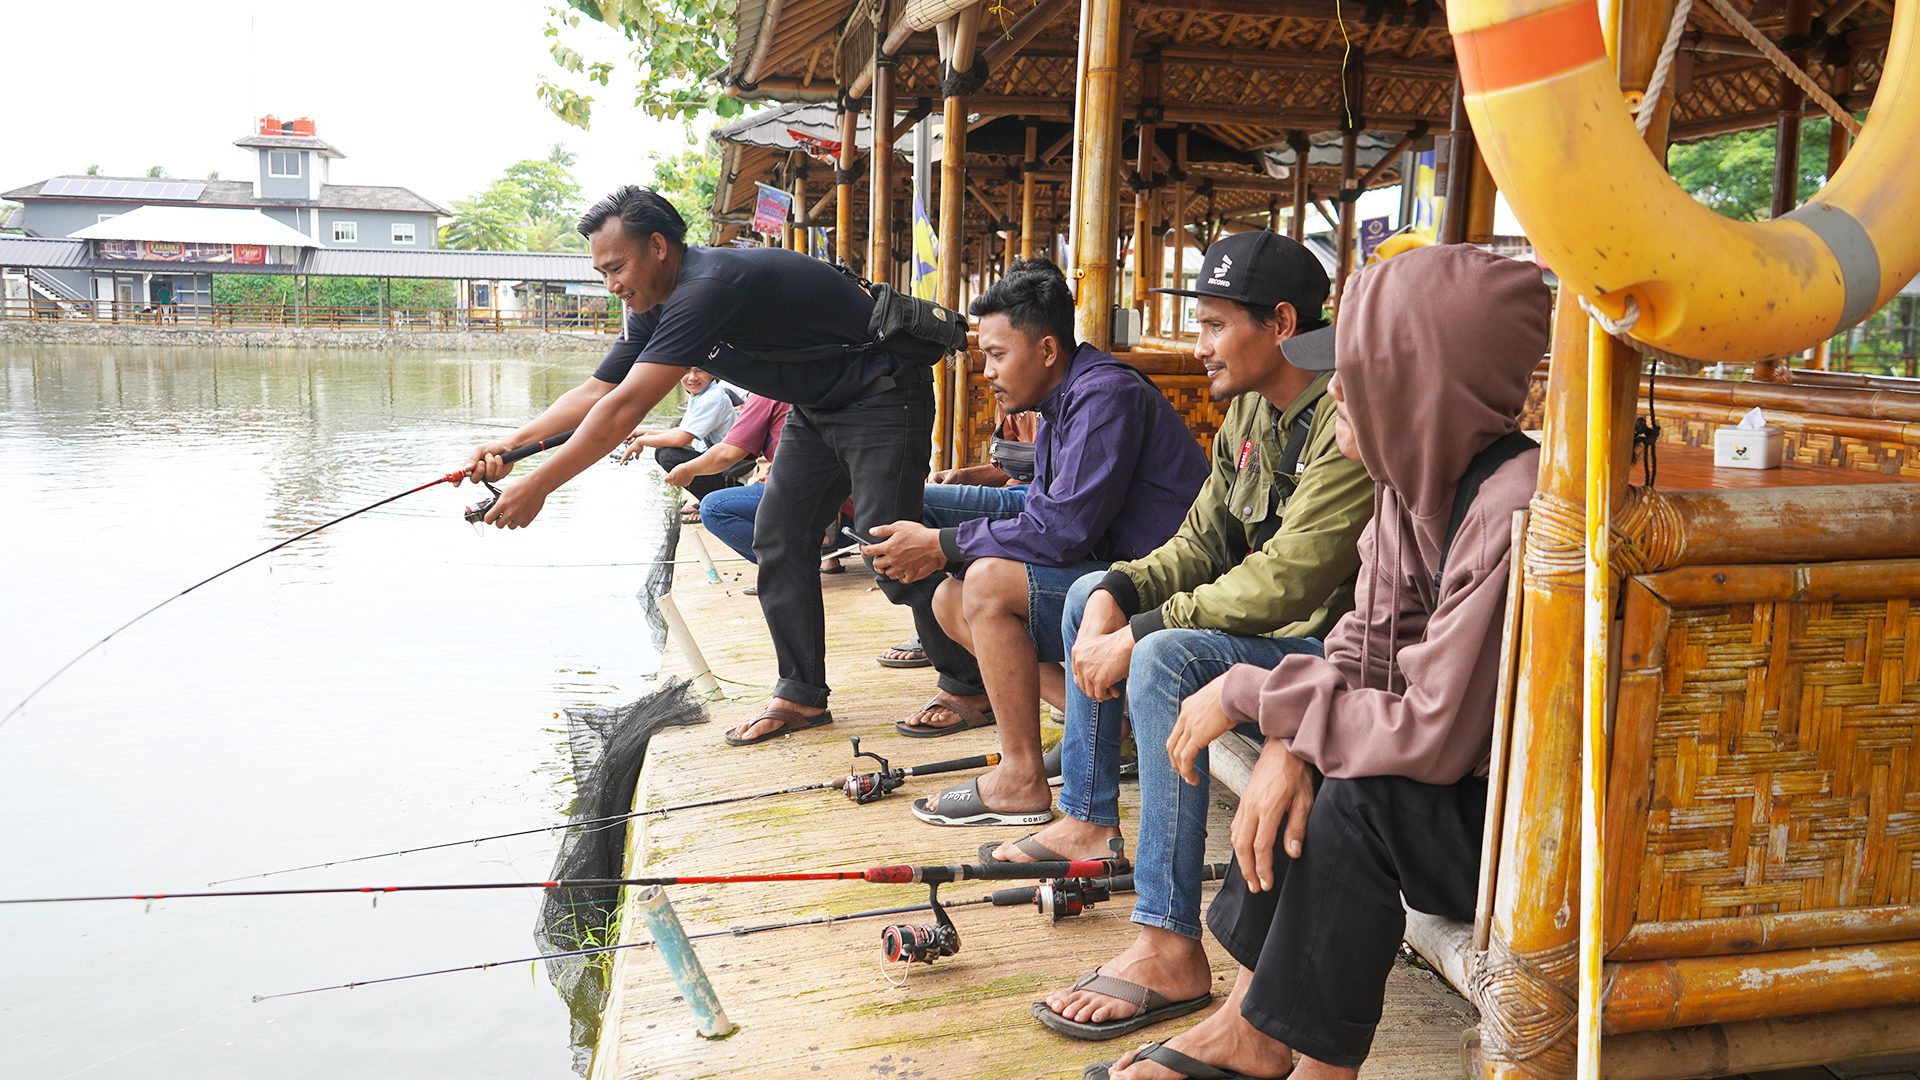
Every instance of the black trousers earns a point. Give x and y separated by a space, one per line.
876 449
672 457
1321 942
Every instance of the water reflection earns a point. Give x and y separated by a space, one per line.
386 683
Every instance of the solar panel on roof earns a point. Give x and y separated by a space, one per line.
91 188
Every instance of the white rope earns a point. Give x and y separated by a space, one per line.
1620 328
1787 67
1643 116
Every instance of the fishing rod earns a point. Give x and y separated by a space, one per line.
1018 896
876 875
473 514
860 787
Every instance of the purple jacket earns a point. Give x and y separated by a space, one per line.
1116 471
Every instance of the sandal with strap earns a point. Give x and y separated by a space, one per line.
911 655
1027 845
1153 1007
1166 1056
790 722
963 806
970 718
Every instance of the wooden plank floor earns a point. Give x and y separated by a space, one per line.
815 1001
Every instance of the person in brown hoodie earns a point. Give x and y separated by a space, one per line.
1372 782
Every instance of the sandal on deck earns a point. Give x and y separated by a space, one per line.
690 515
962 806
970 718
1153 1007
790 722
1026 845
1167 1057
913 655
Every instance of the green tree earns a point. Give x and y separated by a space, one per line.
547 189
532 207
93 170
1733 174
689 180
157 171
677 46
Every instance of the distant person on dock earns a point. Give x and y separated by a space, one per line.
1115 472
1371 784
779 324
708 418
1262 568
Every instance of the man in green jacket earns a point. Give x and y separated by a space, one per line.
1262 567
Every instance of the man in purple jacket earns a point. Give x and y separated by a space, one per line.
1116 470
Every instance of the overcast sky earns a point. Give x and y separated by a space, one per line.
431 95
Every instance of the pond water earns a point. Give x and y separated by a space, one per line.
390 682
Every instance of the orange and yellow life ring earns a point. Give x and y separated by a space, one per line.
1600 209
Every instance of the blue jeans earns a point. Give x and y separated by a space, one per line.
947 505
728 514
1168 666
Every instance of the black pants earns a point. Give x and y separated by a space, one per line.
672 457
1322 941
876 448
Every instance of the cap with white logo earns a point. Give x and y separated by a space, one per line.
1262 268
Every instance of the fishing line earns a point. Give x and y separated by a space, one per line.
150 1042
874 875
451 478
861 787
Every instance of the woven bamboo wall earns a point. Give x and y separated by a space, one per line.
1765 789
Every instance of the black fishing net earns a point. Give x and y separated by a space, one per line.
607 746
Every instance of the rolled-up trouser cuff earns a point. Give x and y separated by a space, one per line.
811 697
1184 929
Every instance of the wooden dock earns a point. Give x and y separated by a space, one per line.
815 1001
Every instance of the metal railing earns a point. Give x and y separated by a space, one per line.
289 316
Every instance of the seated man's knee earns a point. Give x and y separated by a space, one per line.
995 586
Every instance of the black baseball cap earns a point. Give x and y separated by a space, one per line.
1262 268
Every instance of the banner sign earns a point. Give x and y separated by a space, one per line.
1372 231
175 251
815 147
771 209
926 253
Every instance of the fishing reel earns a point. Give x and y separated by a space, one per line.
478 512
871 787
1063 898
921 943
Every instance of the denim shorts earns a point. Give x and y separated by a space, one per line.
1047 588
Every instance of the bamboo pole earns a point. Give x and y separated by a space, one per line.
1349 210
880 175
1598 623
1297 226
950 377
1096 176
1029 163
843 182
1460 153
1177 221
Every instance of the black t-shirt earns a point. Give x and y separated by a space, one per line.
735 311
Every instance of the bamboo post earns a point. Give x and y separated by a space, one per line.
1177 219
1460 154
1297 226
1538 983
1349 208
1029 164
880 173
843 181
953 209
1143 192
1096 131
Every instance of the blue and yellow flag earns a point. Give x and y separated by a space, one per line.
1426 205
926 254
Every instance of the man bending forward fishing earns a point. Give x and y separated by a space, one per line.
760 318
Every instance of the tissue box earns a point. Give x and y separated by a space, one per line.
1747 448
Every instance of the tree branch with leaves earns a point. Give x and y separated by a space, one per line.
677 55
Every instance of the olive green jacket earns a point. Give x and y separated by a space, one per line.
1300 581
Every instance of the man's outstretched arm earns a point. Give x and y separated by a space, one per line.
605 423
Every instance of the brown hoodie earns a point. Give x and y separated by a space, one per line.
1436 348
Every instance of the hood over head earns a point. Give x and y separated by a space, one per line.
1436 349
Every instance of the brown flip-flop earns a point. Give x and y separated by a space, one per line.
970 718
1028 845
790 722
